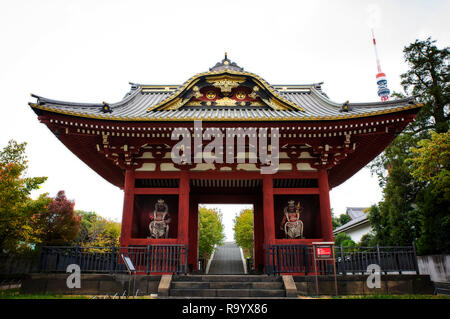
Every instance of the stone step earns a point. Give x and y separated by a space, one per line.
226 285
227 278
227 293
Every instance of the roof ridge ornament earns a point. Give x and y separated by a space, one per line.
226 64
346 107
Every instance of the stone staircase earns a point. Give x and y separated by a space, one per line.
226 286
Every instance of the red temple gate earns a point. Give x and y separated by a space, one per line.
319 145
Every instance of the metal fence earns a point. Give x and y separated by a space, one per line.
14 265
146 259
349 260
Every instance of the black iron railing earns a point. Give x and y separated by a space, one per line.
349 260
146 259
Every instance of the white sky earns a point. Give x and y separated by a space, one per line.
87 51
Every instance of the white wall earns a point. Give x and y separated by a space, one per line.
357 232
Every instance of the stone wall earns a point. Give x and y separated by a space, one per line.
91 284
356 285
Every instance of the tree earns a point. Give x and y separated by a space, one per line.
344 240
406 208
344 219
17 208
59 225
339 221
366 240
97 231
210 231
334 220
430 164
243 231
428 79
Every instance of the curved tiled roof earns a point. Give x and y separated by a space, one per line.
134 107
141 104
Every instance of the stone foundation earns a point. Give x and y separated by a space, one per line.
91 284
356 285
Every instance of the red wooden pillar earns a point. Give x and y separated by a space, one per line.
183 209
258 233
193 234
269 222
128 208
325 211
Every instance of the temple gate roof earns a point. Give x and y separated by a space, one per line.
224 93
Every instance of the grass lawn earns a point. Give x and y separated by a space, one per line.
15 294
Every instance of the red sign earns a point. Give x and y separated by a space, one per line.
323 251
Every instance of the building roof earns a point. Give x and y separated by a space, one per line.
358 218
356 212
186 102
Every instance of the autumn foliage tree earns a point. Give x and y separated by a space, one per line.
58 224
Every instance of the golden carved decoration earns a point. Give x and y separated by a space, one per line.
175 104
274 104
225 82
214 76
226 101
240 95
253 95
226 85
197 92
211 95
196 103
222 101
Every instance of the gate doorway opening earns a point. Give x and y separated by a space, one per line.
227 258
230 197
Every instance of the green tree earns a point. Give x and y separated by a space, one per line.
243 231
407 204
17 208
366 240
339 221
97 231
210 231
428 79
344 219
344 240
430 164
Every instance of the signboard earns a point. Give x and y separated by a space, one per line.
128 263
324 252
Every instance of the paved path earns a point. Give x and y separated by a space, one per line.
227 260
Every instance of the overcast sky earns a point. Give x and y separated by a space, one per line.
88 51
